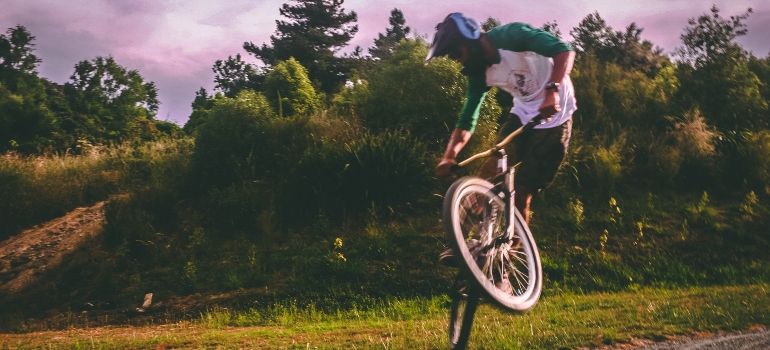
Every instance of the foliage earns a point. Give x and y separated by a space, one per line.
104 102
281 199
16 56
404 93
351 99
384 44
289 90
229 143
717 70
624 48
553 28
234 75
316 29
756 158
34 189
710 37
386 169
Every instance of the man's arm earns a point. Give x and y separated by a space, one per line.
562 65
457 141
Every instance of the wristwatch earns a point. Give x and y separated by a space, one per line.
552 86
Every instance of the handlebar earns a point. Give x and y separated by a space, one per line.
530 125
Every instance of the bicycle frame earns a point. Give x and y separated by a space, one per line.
507 185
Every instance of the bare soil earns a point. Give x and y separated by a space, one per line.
24 257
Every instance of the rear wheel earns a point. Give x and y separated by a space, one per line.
464 303
510 272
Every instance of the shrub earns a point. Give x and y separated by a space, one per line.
695 140
744 160
230 139
388 169
664 161
603 165
757 156
289 90
404 93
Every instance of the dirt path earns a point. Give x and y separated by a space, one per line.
25 256
750 340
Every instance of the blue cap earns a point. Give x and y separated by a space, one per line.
455 26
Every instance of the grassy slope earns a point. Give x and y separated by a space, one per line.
560 321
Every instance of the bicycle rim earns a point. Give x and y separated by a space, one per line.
474 217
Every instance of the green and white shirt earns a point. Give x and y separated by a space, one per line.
523 70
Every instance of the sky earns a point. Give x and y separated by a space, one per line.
175 43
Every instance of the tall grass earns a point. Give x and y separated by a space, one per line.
38 188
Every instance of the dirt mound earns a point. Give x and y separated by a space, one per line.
24 257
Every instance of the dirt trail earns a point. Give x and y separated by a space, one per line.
25 256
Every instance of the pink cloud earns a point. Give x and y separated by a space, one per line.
175 43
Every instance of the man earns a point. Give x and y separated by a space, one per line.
533 66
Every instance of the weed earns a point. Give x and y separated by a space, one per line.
575 213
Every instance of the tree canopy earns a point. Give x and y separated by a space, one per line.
314 32
384 44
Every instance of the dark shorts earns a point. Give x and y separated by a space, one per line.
540 151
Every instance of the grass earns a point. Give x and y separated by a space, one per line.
563 321
34 189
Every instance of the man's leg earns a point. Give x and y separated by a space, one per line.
523 199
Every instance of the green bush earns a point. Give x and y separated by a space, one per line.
231 140
757 153
686 154
602 166
289 90
388 169
744 160
404 93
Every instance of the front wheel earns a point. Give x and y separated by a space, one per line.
509 271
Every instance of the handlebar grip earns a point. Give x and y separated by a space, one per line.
539 119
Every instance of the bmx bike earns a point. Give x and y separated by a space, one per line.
494 247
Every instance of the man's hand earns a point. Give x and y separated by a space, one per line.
444 168
457 141
550 105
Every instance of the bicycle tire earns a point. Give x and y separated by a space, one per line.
511 276
464 303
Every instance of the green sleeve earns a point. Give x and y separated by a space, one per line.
475 93
520 37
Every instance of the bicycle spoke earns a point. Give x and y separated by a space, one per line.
476 219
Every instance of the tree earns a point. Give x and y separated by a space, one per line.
490 23
710 37
109 99
716 72
553 28
631 52
27 121
591 35
234 75
429 98
16 53
315 31
289 90
201 109
624 48
384 44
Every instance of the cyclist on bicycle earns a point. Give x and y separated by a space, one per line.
533 66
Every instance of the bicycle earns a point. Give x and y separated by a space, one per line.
498 256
